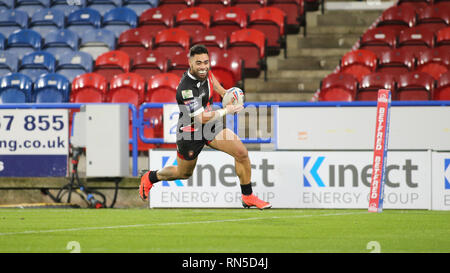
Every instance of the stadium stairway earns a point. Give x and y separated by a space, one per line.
309 59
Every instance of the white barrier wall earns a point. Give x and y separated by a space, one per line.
441 181
352 128
295 179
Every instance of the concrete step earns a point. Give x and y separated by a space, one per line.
352 18
332 30
309 63
292 85
297 74
318 52
358 5
327 41
285 78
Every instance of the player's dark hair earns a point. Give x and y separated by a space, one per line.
198 49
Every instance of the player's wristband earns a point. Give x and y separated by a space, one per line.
222 112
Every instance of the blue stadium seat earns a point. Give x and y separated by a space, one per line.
102 6
67 6
47 20
30 6
37 63
6 4
120 19
50 88
97 42
23 41
12 20
8 63
73 64
61 41
15 88
2 42
139 6
82 20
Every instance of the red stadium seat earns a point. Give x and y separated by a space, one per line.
434 61
179 63
156 19
295 14
371 83
433 18
229 19
398 18
112 63
442 4
443 38
415 86
215 40
213 5
396 62
416 40
227 67
126 88
442 91
250 5
161 88
148 64
174 6
170 41
88 87
358 62
417 5
212 38
250 44
134 41
272 22
193 19
338 87
378 40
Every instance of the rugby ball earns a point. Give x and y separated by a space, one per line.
234 95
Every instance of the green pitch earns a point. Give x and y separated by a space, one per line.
222 230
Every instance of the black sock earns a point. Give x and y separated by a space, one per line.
246 189
152 177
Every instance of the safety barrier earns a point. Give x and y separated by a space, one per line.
138 122
145 106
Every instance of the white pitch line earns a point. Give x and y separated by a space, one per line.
174 223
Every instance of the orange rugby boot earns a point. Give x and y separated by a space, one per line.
146 185
253 201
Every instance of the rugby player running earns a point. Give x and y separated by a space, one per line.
199 125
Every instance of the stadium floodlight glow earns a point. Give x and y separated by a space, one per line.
376 194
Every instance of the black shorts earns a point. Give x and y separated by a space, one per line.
190 145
